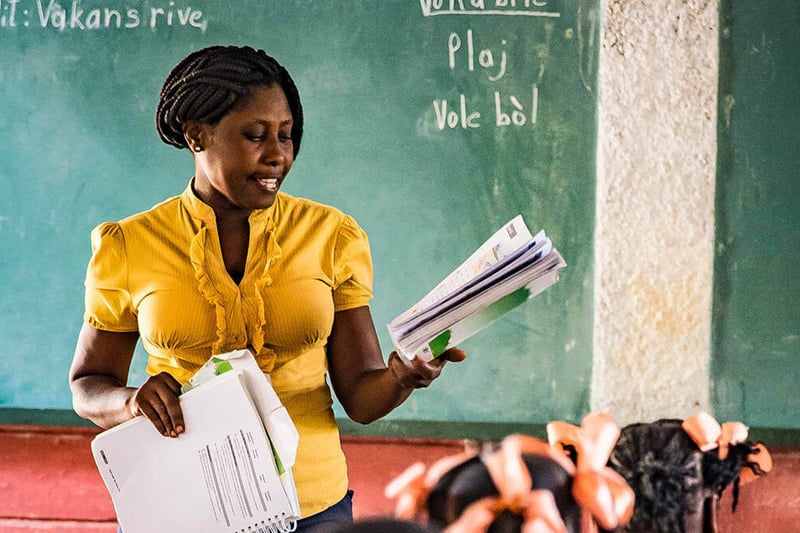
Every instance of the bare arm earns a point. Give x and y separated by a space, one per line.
365 386
98 381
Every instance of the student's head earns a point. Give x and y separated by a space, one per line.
677 485
471 483
523 484
208 83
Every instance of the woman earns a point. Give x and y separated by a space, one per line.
234 263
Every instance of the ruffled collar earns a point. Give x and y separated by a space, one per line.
239 309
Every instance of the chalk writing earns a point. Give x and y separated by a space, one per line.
509 110
517 114
50 14
465 52
525 8
486 57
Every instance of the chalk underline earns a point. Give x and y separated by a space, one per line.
494 12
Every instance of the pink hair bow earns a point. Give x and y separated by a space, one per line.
513 481
412 486
539 511
709 434
596 487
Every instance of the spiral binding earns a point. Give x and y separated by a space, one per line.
280 525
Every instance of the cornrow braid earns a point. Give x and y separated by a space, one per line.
663 466
205 85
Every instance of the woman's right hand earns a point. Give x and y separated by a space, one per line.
157 399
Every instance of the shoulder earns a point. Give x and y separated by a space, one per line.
302 212
165 209
134 228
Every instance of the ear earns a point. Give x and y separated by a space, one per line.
194 133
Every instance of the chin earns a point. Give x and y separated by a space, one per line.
264 201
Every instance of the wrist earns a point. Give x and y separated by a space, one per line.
131 406
400 372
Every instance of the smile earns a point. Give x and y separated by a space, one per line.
270 184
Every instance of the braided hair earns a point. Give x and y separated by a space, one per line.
663 466
671 477
720 473
208 83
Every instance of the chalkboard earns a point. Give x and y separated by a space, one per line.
433 123
756 336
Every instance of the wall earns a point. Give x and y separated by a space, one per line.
756 331
432 127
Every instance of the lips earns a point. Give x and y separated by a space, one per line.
268 183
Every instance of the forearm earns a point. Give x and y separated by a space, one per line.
102 399
377 394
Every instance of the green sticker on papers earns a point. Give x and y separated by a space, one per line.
439 344
221 365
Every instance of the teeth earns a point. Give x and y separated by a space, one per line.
271 184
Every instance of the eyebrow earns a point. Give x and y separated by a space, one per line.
286 122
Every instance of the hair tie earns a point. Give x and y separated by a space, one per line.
596 487
540 514
512 479
709 434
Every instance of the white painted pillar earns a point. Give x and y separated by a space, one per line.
655 208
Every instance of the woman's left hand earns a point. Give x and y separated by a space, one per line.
418 373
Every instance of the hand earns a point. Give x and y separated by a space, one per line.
157 399
418 373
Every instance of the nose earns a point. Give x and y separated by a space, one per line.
273 151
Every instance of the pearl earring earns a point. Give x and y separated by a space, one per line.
198 148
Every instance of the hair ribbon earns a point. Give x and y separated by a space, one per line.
412 486
709 434
513 481
596 487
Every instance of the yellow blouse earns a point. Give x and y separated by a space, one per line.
161 273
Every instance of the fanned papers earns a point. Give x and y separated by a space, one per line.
220 476
508 269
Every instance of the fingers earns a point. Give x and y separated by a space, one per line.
157 399
418 373
454 355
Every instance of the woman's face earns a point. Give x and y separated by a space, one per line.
247 154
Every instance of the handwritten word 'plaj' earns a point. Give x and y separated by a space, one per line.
50 14
529 8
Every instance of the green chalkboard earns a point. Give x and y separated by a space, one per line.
433 123
756 336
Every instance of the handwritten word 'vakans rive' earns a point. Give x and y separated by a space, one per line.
529 8
50 14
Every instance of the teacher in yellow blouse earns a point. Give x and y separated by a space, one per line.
233 263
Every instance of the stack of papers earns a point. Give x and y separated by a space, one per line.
511 267
229 472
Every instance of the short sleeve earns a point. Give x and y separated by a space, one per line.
107 298
352 284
